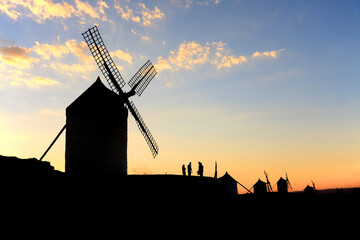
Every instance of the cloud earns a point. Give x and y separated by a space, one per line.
127 14
17 57
148 16
41 10
80 50
228 61
122 56
34 82
8 8
47 50
189 54
188 3
141 14
162 64
143 37
70 69
269 54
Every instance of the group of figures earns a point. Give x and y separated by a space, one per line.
200 171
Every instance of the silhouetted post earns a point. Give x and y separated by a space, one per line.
189 169
200 170
183 170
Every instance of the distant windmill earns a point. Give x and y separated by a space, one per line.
268 185
283 184
138 83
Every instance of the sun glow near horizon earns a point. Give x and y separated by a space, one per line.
263 86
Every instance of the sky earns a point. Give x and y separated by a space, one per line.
252 85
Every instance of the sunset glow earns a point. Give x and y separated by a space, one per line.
253 85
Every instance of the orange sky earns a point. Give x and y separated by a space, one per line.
262 86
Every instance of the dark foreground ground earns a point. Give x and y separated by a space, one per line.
146 204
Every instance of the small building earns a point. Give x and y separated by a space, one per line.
228 184
96 133
260 187
309 190
282 185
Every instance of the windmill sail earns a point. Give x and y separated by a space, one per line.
103 59
138 83
142 78
143 129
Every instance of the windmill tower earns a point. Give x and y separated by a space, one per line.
283 185
96 136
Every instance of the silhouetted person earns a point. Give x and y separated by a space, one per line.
189 169
200 170
183 170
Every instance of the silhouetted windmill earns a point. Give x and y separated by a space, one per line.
283 184
97 120
268 185
112 75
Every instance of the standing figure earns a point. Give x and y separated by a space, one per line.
200 170
183 170
189 169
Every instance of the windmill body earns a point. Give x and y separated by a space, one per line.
96 122
282 185
96 133
260 187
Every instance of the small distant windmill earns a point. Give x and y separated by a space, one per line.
268 185
283 184
138 83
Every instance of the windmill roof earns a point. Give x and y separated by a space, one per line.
259 182
96 99
227 178
281 180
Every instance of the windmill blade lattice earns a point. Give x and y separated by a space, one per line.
103 58
143 129
143 77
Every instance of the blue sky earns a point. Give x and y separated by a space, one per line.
253 85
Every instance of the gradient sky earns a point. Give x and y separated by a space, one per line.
253 85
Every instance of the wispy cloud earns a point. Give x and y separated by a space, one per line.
125 56
228 61
140 14
267 54
188 3
143 37
17 57
191 54
46 51
43 10
34 82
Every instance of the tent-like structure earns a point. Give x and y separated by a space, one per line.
228 184
260 187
